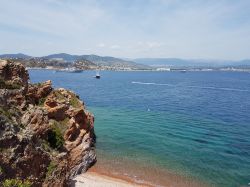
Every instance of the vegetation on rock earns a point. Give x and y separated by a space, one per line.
55 138
51 168
16 183
47 136
8 85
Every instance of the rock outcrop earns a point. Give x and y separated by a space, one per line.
46 135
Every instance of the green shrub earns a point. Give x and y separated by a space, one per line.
55 138
51 167
7 85
2 83
46 146
41 101
59 95
1 170
13 86
63 125
16 183
5 113
37 84
65 122
74 101
88 123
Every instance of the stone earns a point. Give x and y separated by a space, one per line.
14 72
28 115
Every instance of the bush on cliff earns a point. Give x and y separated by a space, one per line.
6 85
55 138
1 169
41 101
50 169
5 112
16 183
74 101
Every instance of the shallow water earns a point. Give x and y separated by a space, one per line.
193 124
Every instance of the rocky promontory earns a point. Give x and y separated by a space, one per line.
46 135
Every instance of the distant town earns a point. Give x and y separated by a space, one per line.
67 62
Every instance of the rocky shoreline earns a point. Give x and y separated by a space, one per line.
46 135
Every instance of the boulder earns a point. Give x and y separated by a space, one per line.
13 72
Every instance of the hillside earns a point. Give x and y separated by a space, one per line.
90 61
18 55
113 62
62 56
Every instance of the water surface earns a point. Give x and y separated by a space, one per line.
194 124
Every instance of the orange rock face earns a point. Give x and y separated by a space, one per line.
13 72
48 131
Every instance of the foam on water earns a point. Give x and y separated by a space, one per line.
201 87
151 83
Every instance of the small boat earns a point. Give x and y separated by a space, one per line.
97 75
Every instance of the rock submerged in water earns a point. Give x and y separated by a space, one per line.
46 135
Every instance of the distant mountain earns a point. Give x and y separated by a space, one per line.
244 62
139 63
98 60
18 55
84 64
86 60
164 62
176 62
63 56
112 61
106 60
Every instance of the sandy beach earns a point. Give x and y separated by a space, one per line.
98 177
120 172
93 179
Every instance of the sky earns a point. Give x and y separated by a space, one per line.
200 29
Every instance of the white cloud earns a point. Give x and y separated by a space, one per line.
115 46
101 45
154 44
171 28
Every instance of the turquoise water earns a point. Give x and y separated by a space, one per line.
196 124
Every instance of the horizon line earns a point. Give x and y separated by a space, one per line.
127 58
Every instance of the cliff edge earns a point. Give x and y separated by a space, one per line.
46 135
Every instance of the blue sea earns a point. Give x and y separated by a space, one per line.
193 124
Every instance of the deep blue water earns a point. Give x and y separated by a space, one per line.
194 123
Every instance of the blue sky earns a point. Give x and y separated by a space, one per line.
214 29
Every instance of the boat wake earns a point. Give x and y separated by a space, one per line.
152 83
200 87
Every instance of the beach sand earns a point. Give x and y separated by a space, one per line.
118 171
99 176
93 179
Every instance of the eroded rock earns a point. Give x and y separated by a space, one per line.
46 136
14 73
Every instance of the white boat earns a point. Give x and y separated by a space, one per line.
97 75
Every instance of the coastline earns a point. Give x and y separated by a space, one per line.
119 172
96 179
152 70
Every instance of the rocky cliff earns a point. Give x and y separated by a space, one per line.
46 135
